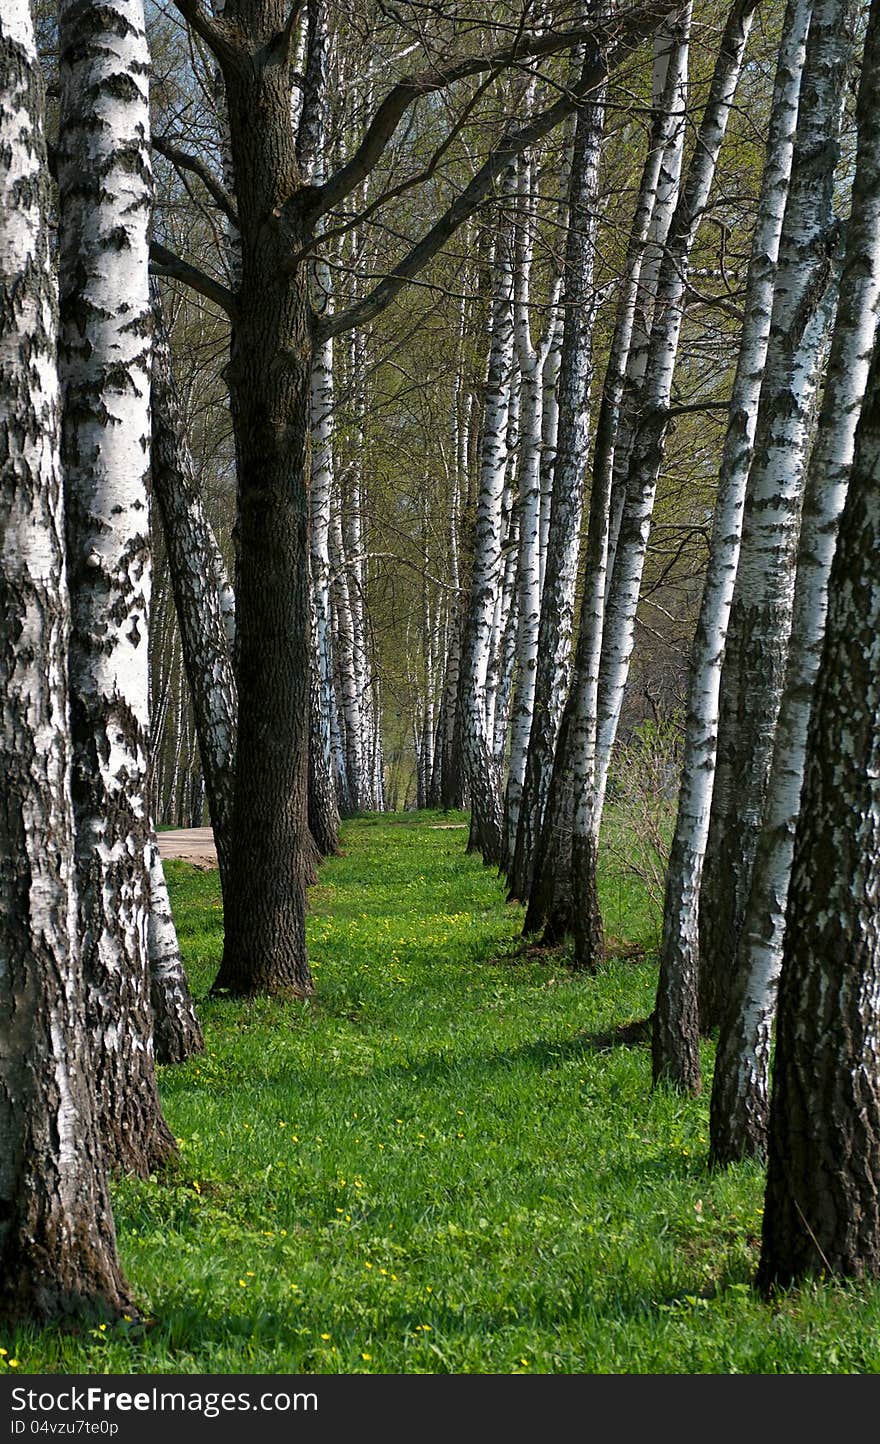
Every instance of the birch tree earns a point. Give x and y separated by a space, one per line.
550 897
532 357
193 560
57 1241
483 773
679 945
644 466
822 1203
104 203
760 617
579 301
740 1093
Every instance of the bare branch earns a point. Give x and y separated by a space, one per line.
165 263
216 33
641 20
426 174
593 74
185 161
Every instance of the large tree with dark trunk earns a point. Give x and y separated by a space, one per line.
274 332
57 1242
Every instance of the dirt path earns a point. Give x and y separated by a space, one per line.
189 844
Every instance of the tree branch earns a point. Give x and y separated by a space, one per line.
426 174
641 20
594 71
184 161
217 34
165 263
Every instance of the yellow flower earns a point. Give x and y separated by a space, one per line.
4 1352
325 1336
368 1265
14 1363
367 1357
242 1284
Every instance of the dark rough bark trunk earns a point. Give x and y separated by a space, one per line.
269 379
104 198
190 547
822 1205
57 1240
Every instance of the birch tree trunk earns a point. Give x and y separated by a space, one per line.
822 1204
201 615
740 1094
325 788
344 654
57 1240
177 1034
643 472
579 307
532 358
679 954
669 99
550 897
483 775
760 616
104 189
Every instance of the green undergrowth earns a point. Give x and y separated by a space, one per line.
449 1160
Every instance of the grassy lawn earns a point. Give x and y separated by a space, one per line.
449 1160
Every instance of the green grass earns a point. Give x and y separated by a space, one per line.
448 1161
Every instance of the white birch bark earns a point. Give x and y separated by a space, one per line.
647 449
104 204
484 782
572 435
176 1032
497 696
344 655
549 438
740 1095
821 1214
202 614
550 894
760 616
531 358
57 1240
670 94
679 945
